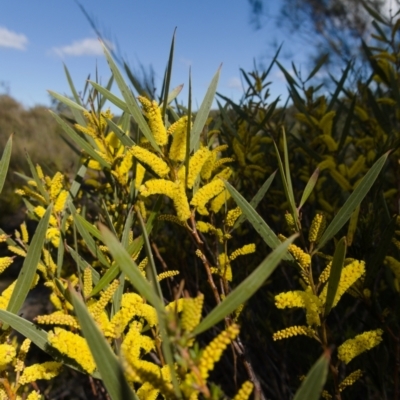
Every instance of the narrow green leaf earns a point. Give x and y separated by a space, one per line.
287 182
168 75
322 60
86 232
347 124
257 198
374 14
68 102
314 382
26 328
5 162
309 188
130 100
27 274
108 87
107 363
188 128
133 248
353 201
127 229
335 273
173 94
72 86
288 77
111 97
339 86
80 141
204 110
76 184
258 223
35 176
151 271
246 289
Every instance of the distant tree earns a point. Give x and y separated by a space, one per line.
334 27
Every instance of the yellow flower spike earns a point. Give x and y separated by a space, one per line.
191 314
350 379
325 273
303 259
122 171
147 392
35 395
5 262
205 194
7 355
350 274
6 295
245 391
218 202
207 168
221 162
173 190
143 263
60 202
293 331
140 172
177 151
47 370
56 185
357 166
196 163
394 265
3 237
298 298
158 165
246 249
58 318
166 274
325 395
232 216
49 262
96 308
239 150
317 228
39 172
213 352
23 350
87 282
156 124
203 227
74 346
351 348
40 211
24 233
174 306
290 222
16 250
54 236
151 376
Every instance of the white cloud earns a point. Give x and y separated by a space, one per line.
11 39
84 47
235 83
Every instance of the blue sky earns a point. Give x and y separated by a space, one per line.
37 37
